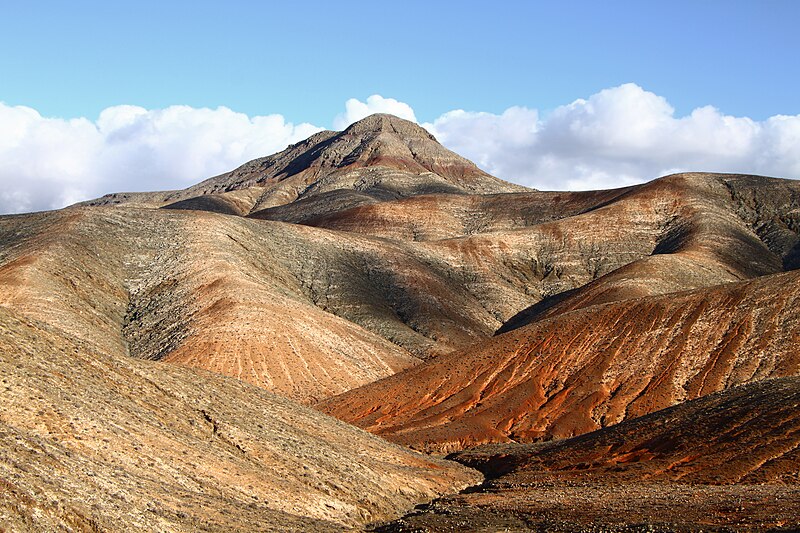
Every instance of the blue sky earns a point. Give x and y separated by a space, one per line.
303 59
98 97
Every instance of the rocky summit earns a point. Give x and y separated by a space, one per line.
297 343
380 157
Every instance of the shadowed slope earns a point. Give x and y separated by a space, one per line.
729 459
93 441
589 368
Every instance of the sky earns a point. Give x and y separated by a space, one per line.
97 97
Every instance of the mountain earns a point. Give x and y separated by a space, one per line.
354 294
611 314
377 158
725 461
375 276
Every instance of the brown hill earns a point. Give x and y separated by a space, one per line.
96 441
491 261
380 156
192 288
726 460
589 368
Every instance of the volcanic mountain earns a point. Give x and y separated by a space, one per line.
155 343
380 157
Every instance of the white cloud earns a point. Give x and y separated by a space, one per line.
482 136
617 137
355 110
48 163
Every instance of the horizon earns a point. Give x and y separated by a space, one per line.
134 98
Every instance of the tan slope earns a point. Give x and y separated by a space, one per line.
381 155
100 441
195 289
726 460
301 289
58 268
589 368
249 318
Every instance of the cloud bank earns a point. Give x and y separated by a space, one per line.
47 163
619 136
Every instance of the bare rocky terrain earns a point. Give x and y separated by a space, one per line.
587 369
727 461
96 441
167 355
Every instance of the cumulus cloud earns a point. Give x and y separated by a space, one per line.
617 137
48 163
356 110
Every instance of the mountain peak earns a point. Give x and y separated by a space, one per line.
386 123
380 142
381 154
